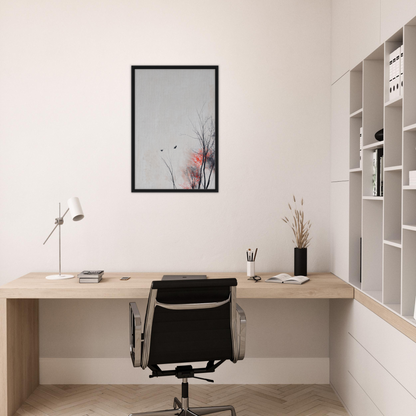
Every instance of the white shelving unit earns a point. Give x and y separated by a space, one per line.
384 227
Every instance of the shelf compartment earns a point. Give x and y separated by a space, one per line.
373 105
392 275
392 205
409 155
355 125
393 132
409 273
355 215
372 246
356 87
409 208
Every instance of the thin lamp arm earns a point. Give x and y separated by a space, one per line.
59 222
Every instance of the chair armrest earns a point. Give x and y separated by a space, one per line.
135 335
241 331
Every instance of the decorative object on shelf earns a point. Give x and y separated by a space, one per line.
75 210
379 135
302 239
174 144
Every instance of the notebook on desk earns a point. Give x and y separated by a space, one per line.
184 276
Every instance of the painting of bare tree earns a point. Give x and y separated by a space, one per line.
174 129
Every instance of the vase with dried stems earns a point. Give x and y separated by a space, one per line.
302 239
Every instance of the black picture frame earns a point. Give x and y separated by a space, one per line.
174 128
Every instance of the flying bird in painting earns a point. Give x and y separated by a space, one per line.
161 150
175 146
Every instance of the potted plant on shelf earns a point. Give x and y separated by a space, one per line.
302 239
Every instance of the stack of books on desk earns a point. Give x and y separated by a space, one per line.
91 276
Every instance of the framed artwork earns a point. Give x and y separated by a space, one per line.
174 143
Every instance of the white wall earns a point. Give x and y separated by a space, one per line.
65 131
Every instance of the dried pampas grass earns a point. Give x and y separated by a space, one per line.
299 227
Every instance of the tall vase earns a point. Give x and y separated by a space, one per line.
301 261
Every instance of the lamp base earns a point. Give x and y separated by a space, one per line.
59 276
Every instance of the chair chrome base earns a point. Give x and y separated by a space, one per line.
179 410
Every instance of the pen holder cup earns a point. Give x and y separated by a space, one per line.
251 269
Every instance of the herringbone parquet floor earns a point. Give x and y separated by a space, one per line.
120 400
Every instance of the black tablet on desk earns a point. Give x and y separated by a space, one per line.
184 276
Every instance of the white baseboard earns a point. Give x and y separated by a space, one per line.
248 371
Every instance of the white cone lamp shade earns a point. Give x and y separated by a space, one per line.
76 213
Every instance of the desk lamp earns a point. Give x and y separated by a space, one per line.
75 210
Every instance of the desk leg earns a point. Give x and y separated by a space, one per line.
19 352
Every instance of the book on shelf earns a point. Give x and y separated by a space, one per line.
381 170
377 174
394 74
374 174
397 72
401 69
391 57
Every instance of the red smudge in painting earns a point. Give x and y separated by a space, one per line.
194 172
196 158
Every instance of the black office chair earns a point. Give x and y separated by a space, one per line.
188 321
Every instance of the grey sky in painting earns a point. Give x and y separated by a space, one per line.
166 106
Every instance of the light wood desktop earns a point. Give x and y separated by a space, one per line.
19 314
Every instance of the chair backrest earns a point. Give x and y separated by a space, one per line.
190 321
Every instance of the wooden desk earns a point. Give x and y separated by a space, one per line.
19 315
